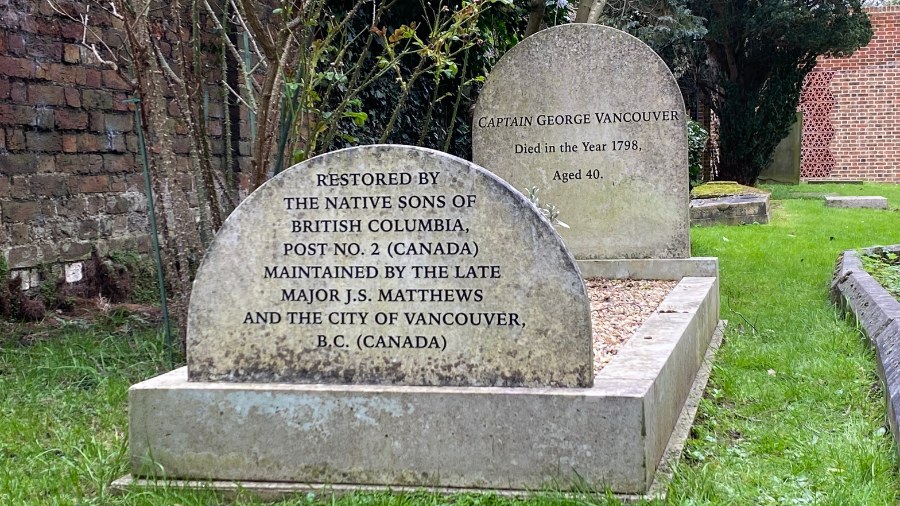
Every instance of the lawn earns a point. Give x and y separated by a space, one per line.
793 412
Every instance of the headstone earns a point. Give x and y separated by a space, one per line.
785 165
389 265
594 119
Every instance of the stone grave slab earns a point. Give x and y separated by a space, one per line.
856 202
593 118
389 265
731 210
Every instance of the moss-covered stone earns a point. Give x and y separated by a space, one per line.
717 189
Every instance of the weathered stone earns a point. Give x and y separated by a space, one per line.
389 265
730 210
878 313
650 268
593 118
856 202
785 165
610 435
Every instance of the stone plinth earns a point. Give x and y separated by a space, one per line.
611 435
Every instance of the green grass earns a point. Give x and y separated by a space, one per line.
793 413
885 269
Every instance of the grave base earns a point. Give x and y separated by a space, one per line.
612 435
731 210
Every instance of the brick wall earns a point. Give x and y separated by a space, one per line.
851 109
70 170
68 177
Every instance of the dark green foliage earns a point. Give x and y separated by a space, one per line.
760 54
436 111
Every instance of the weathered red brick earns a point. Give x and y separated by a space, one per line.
71 119
91 143
18 189
4 88
73 97
117 183
69 74
18 93
71 53
44 50
79 164
43 141
93 78
18 163
70 143
112 79
15 139
96 99
4 187
97 122
17 67
116 142
92 184
20 212
119 163
120 104
16 44
49 185
118 122
46 95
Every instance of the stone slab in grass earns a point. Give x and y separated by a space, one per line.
731 210
835 181
857 202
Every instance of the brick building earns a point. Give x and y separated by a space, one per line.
851 109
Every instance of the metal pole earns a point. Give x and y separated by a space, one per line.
148 189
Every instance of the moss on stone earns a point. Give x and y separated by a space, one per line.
716 189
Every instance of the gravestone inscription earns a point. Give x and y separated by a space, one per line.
389 265
593 118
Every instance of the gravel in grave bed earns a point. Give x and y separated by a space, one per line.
618 308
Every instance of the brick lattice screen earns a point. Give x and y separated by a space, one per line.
851 109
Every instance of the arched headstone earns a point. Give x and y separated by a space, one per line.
594 119
389 265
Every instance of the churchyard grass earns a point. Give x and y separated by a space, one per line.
793 413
